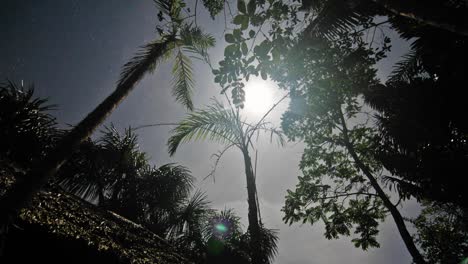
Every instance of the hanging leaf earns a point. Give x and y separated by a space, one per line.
276 55
264 75
238 20
251 6
244 48
245 23
229 50
229 38
241 6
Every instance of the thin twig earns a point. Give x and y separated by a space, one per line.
218 156
264 116
155 125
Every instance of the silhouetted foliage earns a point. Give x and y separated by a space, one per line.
27 129
420 133
421 105
225 125
443 233
116 175
340 183
175 37
422 127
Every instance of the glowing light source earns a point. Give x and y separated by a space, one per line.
221 228
258 97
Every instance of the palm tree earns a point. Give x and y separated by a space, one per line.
177 37
112 170
334 16
116 175
224 125
219 238
27 129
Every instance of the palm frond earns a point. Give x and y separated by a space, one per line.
266 127
85 173
144 61
165 187
83 186
167 7
183 80
334 17
123 150
27 129
191 215
406 69
196 42
215 123
228 218
113 139
268 246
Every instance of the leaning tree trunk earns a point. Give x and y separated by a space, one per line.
397 217
254 225
25 189
426 14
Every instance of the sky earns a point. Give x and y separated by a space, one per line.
73 50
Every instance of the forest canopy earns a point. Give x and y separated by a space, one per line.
373 141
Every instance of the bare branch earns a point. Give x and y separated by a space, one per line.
155 125
218 156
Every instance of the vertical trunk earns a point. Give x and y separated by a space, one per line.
399 221
100 186
101 199
39 176
254 226
131 204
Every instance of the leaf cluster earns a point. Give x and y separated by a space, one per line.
326 81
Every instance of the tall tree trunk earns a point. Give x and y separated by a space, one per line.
24 190
254 226
424 13
397 217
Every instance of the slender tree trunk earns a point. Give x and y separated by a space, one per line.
101 199
254 226
39 176
399 221
100 185
426 14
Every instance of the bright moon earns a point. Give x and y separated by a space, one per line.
258 97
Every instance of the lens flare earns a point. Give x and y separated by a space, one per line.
221 228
